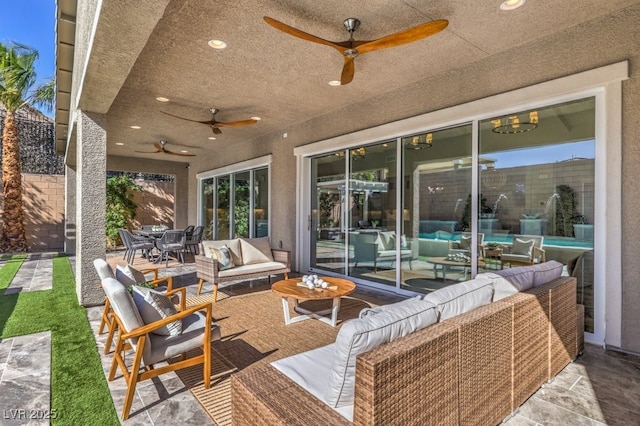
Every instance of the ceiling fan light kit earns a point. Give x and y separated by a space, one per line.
351 48
513 124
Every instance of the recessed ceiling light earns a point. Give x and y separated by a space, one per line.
211 138
256 118
162 99
183 150
119 143
136 127
334 83
511 4
217 44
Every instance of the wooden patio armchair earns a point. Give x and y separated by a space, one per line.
149 347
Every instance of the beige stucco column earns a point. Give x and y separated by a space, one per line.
70 220
91 195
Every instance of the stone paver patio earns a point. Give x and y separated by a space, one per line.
600 387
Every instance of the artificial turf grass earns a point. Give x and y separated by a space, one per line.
79 391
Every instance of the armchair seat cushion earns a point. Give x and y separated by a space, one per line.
516 258
164 347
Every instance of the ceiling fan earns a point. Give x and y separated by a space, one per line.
214 124
160 148
351 48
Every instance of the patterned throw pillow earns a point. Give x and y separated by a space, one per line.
223 256
154 306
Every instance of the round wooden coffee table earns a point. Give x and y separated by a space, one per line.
289 289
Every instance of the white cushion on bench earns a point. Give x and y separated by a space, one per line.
311 370
362 335
249 269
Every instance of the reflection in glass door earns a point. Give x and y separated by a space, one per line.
326 222
223 205
241 183
436 215
373 239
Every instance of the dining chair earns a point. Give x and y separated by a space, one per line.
172 241
134 243
194 241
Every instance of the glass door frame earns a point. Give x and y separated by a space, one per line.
605 84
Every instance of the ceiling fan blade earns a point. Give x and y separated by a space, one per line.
149 152
301 34
158 147
216 130
236 123
406 36
347 71
209 122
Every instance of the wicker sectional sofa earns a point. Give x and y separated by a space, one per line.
475 367
251 258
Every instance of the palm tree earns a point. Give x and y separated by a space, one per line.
17 80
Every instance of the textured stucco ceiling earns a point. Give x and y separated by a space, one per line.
283 79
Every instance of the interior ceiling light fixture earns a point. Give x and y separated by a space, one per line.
334 83
511 4
211 138
162 99
119 143
256 118
217 44
136 127
513 124
421 141
356 153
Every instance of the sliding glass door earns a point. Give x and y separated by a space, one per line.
518 192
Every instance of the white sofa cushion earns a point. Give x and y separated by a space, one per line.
255 250
233 245
362 335
545 272
377 309
459 298
502 287
311 370
521 278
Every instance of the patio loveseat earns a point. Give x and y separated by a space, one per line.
247 259
491 343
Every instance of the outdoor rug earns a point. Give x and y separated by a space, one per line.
253 331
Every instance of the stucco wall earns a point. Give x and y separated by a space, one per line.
606 40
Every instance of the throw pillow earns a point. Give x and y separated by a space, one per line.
255 250
465 242
522 247
129 276
154 306
223 256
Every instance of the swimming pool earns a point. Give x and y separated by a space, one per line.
549 240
